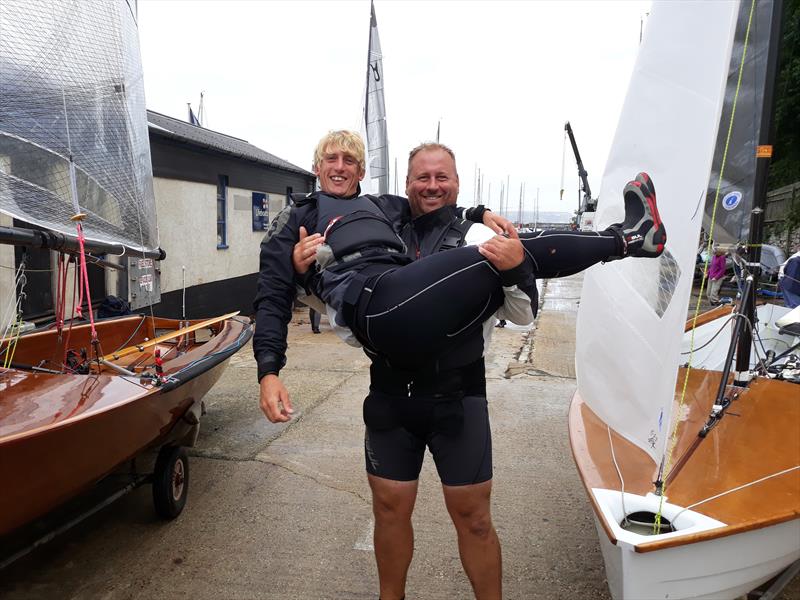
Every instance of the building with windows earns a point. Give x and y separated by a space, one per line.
215 197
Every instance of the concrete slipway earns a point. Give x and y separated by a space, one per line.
283 512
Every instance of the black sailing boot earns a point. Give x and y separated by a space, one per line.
642 233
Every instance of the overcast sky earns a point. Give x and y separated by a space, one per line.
503 77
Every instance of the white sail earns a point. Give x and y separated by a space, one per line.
632 312
73 123
375 112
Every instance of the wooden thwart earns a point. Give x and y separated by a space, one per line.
165 337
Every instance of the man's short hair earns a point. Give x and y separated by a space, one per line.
428 146
349 141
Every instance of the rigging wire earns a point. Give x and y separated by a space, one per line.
736 489
28 270
11 343
674 436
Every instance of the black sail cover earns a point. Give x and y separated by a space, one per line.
71 88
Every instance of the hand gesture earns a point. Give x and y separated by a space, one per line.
305 251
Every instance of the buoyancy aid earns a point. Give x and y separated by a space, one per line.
350 226
455 235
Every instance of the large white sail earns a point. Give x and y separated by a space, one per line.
72 91
375 112
632 312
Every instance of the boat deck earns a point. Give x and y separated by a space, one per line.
743 473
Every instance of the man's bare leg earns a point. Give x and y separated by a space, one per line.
478 545
392 505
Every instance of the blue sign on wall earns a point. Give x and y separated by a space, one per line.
260 211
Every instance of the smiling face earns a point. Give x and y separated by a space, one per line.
339 172
339 162
432 180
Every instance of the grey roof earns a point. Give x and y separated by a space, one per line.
207 138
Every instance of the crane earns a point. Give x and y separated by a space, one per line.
586 204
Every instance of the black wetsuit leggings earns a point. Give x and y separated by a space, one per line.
421 309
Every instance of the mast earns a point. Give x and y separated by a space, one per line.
508 193
375 110
763 156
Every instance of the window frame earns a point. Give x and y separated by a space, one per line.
222 197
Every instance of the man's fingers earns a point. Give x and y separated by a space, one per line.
512 233
287 410
487 251
303 233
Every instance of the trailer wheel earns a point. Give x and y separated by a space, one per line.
170 481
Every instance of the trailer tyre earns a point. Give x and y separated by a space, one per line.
170 481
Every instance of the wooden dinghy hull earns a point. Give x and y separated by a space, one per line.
725 546
61 433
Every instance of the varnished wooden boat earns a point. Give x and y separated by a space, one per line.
742 537
688 441
60 432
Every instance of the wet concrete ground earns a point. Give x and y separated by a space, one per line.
283 511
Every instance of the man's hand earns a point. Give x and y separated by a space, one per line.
275 401
497 223
503 252
305 251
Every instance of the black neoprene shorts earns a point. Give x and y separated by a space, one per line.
461 458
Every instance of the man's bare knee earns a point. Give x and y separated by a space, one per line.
478 526
392 500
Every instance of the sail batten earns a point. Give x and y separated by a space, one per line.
73 129
632 312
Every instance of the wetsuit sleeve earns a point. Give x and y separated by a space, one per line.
276 292
475 214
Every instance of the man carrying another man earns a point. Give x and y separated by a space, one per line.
443 408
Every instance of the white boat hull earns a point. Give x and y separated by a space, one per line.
720 568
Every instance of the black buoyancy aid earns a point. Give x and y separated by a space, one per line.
353 224
455 235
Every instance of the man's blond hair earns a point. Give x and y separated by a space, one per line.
347 141
428 147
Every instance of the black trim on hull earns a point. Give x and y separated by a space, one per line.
207 362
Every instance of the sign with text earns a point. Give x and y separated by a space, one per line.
260 211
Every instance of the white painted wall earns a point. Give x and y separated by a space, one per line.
187 224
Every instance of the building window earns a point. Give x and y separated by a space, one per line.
222 211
